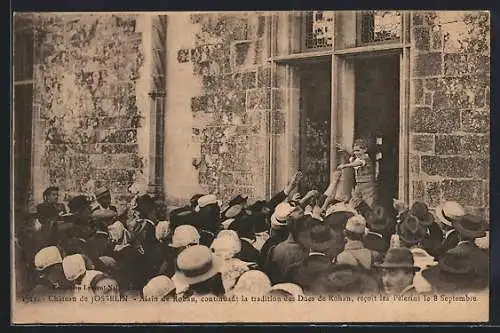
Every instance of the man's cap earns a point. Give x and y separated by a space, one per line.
356 224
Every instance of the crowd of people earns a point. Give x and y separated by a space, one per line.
288 246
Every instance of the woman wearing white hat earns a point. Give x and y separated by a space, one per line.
75 272
48 264
127 258
183 237
225 247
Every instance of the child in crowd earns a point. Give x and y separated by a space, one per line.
365 190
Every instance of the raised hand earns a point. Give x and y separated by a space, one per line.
297 177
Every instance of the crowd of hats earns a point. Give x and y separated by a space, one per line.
266 248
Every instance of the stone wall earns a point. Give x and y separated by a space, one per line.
450 109
90 103
218 105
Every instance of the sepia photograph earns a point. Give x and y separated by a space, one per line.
250 167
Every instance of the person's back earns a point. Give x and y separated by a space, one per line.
305 272
355 253
284 255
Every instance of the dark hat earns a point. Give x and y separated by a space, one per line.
421 211
180 216
471 226
378 219
144 203
338 220
101 192
375 242
301 229
238 200
232 211
257 206
103 216
344 279
322 238
235 206
455 272
194 199
399 257
78 204
244 226
411 231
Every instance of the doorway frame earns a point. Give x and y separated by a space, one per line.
289 27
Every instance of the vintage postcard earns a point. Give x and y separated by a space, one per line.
250 167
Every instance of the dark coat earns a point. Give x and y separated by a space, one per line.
98 245
276 200
168 264
433 240
449 241
266 253
305 272
248 253
283 257
128 274
375 242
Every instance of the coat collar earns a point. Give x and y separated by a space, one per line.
448 233
248 240
316 254
409 288
354 245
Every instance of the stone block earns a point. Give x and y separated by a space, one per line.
235 102
258 99
416 91
433 195
422 38
418 189
455 167
261 26
447 144
199 103
243 179
428 64
422 143
466 192
264 77
487 192
227 179
427 120
239 29
455 64
258 52
414 164
428 98
475 145
241 52
431 84
120 136
249 80
475 121
436 40
278 99
278 122
122 175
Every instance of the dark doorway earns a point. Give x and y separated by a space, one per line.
22 114
377 116
315 124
